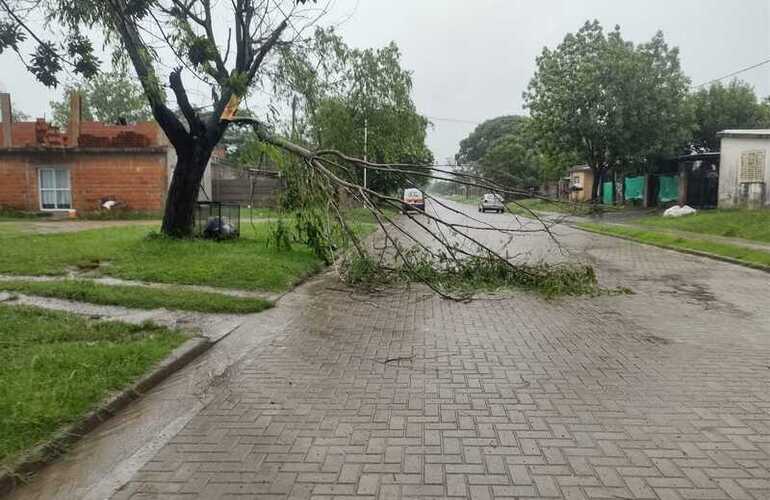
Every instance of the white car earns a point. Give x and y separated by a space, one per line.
493 202
413 199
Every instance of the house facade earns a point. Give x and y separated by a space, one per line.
744 172
44 169
581 181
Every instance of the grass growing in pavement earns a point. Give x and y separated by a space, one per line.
127 252
664 240
139 298
746 224
57 366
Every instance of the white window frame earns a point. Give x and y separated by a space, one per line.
56 189
577 180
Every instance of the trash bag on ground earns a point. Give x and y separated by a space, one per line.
679 211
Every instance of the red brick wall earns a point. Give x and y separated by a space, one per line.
17 184
26 134
137 179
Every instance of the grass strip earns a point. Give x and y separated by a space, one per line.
138 297
540 205
749 256
733 223
127 252
57 366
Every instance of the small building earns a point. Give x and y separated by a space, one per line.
744 174
44 169
581 182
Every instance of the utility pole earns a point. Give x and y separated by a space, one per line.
366 139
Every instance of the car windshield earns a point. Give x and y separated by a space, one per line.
491 197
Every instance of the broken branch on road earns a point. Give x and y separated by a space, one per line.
443 249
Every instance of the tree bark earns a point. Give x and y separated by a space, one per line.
596 184
183 192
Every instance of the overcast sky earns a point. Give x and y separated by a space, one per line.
471 60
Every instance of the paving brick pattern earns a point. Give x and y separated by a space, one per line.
661 394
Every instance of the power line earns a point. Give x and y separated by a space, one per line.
455 120
732 74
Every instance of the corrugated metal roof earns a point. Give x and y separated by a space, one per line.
757 132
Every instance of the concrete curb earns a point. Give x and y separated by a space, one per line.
43 454
730 260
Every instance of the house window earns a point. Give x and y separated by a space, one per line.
752 167
55 191
577 180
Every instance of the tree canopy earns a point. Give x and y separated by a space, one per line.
483 137
108 97
610 101
339 92
721 107
503 150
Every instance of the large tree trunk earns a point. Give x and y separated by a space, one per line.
183 192
596 184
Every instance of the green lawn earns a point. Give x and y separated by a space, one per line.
746 224
522 207
131 296
128 252
664 240
260 213
57 366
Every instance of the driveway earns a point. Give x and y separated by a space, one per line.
661 394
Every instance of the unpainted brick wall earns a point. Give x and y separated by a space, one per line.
137 179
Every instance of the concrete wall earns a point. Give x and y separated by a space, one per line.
731 193
138 179
234 185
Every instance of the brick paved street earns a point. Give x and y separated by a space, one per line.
660 394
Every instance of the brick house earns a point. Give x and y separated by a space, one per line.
45 169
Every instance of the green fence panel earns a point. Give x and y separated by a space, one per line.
668 188
634 188
607 189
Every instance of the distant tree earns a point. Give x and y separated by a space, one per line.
609 100
108 97
511 161
60 110
721 107
17 115
338 92
476 145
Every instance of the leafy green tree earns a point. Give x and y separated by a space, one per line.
60 110
344 92
483 137
107 97
221 44
721 107
511 161
503 150
609 100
